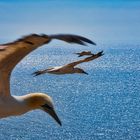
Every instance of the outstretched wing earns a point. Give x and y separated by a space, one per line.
12 53
39 72
99 54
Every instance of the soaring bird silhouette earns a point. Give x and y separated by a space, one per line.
10 54
84 53
69 68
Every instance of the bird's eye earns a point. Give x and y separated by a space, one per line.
47 106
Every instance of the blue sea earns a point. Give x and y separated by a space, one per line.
104 105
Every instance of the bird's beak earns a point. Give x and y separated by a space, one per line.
85 72
53 114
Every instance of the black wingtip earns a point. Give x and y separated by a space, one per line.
70 38
84 39
35 73
93 43
90 42
101 53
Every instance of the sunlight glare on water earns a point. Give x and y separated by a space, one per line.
102 105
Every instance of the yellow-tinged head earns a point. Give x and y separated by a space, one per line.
41 101
79 70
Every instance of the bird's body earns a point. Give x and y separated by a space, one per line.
61 70
69 68
10 55
64 69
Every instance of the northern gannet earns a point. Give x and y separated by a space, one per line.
10 54
68 68
84 53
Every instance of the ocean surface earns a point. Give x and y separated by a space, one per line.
104 105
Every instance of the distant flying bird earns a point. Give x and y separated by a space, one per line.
10 55
84 53
68 68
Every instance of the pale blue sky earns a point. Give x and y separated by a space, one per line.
104 21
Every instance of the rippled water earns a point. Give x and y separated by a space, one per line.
103 105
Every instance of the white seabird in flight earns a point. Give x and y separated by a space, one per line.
84 53
10 55
69 68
